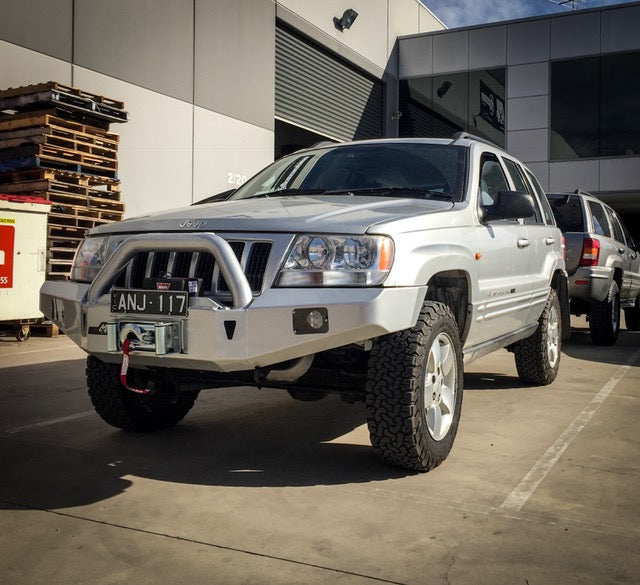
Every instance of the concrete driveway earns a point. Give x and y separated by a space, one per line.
542 486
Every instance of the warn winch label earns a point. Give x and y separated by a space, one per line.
7 239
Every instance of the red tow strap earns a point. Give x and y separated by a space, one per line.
125 367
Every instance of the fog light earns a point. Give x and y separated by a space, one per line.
307 321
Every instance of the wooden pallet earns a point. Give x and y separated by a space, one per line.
53 94
47 137
54 162
59 154
54 85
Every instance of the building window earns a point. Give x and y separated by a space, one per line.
595 107
441 105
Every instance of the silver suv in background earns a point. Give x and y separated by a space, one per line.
603 263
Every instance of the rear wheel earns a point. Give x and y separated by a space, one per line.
604 318
414 391
163 407
632 317
538 356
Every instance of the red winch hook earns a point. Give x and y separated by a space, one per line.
125 366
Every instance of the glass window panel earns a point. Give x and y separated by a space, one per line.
575 106
441 105
620 114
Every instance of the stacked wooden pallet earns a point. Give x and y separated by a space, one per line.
55 143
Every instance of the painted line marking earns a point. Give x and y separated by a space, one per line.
524 490
53 421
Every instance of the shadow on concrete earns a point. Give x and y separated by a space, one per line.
239 437
581 347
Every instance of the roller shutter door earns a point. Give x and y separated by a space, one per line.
318 91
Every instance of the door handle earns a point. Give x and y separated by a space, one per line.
549 241
523 242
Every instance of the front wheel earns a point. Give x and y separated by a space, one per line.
163 407
414 391
538 356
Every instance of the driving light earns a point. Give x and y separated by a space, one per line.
328 260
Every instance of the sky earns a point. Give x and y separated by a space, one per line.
454 13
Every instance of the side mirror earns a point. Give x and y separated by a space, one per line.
509 205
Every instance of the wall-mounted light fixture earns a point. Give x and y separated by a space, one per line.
347 19
444 88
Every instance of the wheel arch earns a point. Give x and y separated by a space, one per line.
452 288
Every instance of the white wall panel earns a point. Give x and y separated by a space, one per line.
528 80
620 174
488 47
528 113
154 157
416 57
226 152
575 36
529 145
620 29
451 52
19 66
569 176
528 42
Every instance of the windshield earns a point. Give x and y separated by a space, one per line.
395 169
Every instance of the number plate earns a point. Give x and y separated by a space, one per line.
150 302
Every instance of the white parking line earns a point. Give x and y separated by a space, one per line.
519 496
53 421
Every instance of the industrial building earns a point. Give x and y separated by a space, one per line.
217 89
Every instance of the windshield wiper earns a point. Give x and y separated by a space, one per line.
413 192
285 192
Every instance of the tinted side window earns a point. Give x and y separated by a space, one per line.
600 223
617 228
492 180
521 184
546 208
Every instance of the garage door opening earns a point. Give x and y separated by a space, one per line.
289 138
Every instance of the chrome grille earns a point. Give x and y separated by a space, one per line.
252 255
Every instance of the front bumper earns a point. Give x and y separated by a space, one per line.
252 332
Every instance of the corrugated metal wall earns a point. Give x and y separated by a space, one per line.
318 91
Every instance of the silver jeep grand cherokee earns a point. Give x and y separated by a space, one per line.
373 269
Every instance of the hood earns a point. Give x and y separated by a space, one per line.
325 214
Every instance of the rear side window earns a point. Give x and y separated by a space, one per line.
521 185
568 213
600 222
617 228
546 209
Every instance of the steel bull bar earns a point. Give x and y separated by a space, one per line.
69 303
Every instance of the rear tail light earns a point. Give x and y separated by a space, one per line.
590 252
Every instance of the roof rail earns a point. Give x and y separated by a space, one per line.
469 136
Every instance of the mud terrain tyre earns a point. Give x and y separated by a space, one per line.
538 356
414 391
163 407
604 318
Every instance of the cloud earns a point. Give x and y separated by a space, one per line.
468 12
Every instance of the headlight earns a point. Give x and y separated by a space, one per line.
91 256
323 260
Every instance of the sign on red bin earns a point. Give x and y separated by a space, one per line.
7 239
